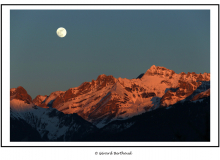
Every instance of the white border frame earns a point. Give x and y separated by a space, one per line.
6 73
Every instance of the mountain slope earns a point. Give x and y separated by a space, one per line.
29 122
159 105
186 121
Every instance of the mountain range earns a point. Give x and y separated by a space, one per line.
159 105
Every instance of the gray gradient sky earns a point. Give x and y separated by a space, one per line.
122 43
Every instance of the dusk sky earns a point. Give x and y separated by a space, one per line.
122 43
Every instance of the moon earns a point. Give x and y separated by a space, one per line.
61 32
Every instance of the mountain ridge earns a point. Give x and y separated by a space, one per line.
113 109
108 98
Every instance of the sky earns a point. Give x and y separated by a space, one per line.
122 43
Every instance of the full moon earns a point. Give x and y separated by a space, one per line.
61 32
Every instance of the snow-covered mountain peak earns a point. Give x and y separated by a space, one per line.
53 96
157 70
104 78
39 99
21 94
153 67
